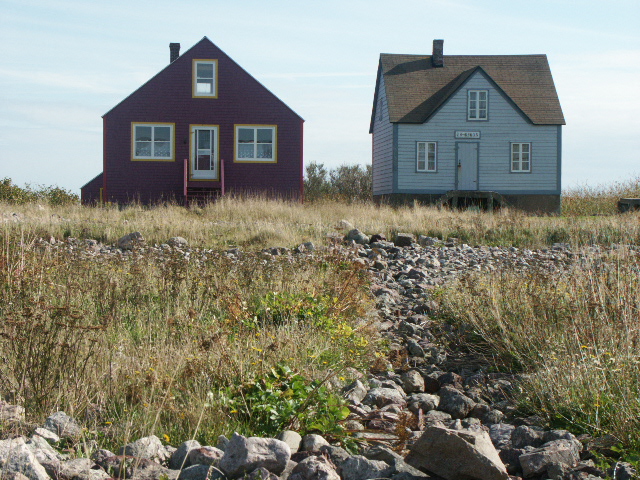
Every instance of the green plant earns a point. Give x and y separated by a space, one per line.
283 399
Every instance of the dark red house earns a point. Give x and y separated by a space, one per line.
201 127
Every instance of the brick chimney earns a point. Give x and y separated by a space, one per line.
174 52
437 58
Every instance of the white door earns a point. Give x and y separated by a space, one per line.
467 166
204 153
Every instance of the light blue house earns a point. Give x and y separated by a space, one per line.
467 127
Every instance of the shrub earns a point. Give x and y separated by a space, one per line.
347 183
55 196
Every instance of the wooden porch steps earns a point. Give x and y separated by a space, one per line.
202 195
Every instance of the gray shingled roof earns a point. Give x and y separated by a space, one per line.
415 89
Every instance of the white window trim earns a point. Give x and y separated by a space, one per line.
254 159
474 115
152 158
194 86
426 157
519 160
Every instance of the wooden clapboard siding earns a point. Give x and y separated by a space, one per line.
382 146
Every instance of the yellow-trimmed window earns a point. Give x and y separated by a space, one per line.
256 143
205 78
153 141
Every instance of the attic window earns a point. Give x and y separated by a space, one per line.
478 105
205 78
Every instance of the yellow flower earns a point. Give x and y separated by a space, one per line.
166 438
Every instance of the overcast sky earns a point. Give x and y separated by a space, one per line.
64 63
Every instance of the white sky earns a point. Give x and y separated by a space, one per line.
64 63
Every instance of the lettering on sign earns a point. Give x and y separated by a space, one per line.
467 134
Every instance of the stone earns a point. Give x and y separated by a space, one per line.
11 413
344 225
404 239
16 457
357 236
199 472
204 456
291 438
63 425
355 392
46 455
80 469
48 435
535 462
475 456
179 458
146 447
179 242
454 403
383 396
313 443
243 455
412 382
337 455
130 241
260 473
623 471
525 436
423 401
222 442
359 467
500 435
314 468
414 348
425 241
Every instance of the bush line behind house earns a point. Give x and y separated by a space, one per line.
52 195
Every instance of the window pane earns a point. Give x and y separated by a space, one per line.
473 95
143 133
483 95
421 152
421 165
265 150
203 161
162 149
265 135
162 133
204 139
515 165
525 147
143 149
205 70
483 114
432 165
245 151
204 86
245 135
432 149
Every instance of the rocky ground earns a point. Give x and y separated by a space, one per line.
443 411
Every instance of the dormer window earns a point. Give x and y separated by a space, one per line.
205 78
478 105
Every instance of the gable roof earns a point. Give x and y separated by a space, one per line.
415 89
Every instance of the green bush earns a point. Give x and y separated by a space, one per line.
11 193
348 183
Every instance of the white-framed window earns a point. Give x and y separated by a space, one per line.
153 141
205 78
256 143
426 156
520 157
477 105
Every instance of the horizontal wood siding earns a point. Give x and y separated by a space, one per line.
382 146
168 98
505 125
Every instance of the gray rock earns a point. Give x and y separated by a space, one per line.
337 455
20 459
423 401
358 237
355 392
474 454
313 443
344 225
359 467
623 471
427 241
434 417
314 468
46 455
11 413
48 435
63 425
222 442
179 242
391 458
199 472
130 241
244 455
414 348
500 435
291 438
383 396
80 469
404 239
260 474
525 436
204 456
412 382
179 457
146 447
454 403
535 462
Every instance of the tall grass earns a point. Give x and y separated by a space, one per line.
599 199
575 337
152 343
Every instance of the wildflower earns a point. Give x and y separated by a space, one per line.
108 423
166 438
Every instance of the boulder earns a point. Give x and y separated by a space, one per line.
204 456
404 239
130 241
357 236
179 242
565 452
313 443
243 455
63 425
11 413
454 402
80 469
146 447
454 454
383 396
199 472
179 457
412 382
16 457
355 391
423 401
359 467
500 434
314 468
525 436
291 438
